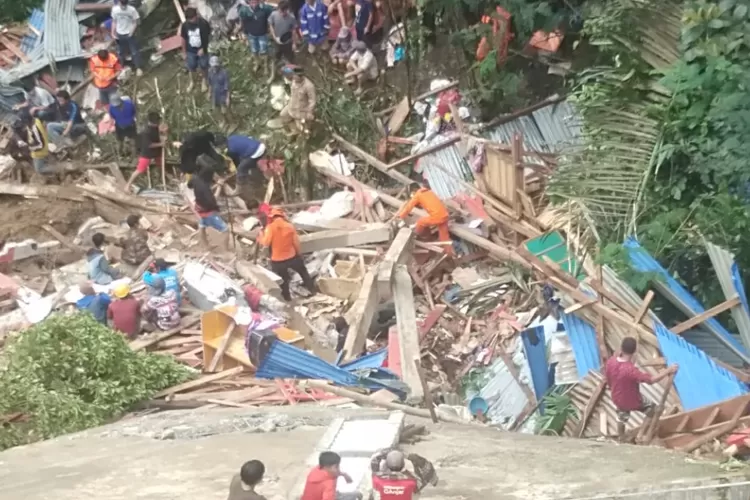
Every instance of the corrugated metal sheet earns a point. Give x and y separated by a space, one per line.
62 35
368 361
445 184
30 41
559 124
708 343
699 381
286 361
535 346
583 341
731 284
506 399
527 128
581 394
679 296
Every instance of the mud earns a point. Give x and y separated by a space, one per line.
23 218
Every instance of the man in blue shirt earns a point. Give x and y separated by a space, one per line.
122 110
67 120
314 24
363 20
244 151
160 269
95 303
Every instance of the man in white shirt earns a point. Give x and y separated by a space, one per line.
362 66
125 19
37 99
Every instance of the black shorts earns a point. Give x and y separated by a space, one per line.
129 132
647 407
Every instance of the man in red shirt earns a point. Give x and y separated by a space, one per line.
394 483
624 380
125 312
321 481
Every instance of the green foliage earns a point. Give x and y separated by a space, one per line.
707 127
557 408
615 255
17 10
70 373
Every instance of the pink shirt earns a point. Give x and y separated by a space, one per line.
624 381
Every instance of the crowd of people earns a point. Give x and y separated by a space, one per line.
395 476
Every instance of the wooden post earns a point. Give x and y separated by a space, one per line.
427 394
705 315
653 424
222 347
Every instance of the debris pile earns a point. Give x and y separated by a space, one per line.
506 320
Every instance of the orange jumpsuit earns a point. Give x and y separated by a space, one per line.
437 215
283 239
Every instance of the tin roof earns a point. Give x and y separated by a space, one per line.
731 284
30 41
62 33
583 341
679 296
546 130
699 381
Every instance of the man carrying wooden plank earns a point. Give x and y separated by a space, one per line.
624 380
437 214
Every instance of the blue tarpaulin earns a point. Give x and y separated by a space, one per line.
536 353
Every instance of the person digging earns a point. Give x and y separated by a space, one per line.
436 218
281 236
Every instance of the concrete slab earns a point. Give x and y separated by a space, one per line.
177 455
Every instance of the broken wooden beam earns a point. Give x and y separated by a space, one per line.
360 315
705 315
324 240
157 337
420 97
200 382
398 253
259 277
408 332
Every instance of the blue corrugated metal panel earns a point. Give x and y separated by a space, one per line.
583 341
536 353
434 166
62 35
699 381
286 361
372 360
559 124
643 262
9 97
30 41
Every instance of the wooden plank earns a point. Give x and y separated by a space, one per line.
579 306
189 321
653 422
398 117
643 308
398 253
425 152
408 333
222 347
425 390
323 240
11 46
712 417
589 408
683 424
420 97
697 320
62 239
359 316
710 436
200 382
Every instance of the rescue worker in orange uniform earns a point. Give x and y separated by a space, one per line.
437 214
282 237
105 67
